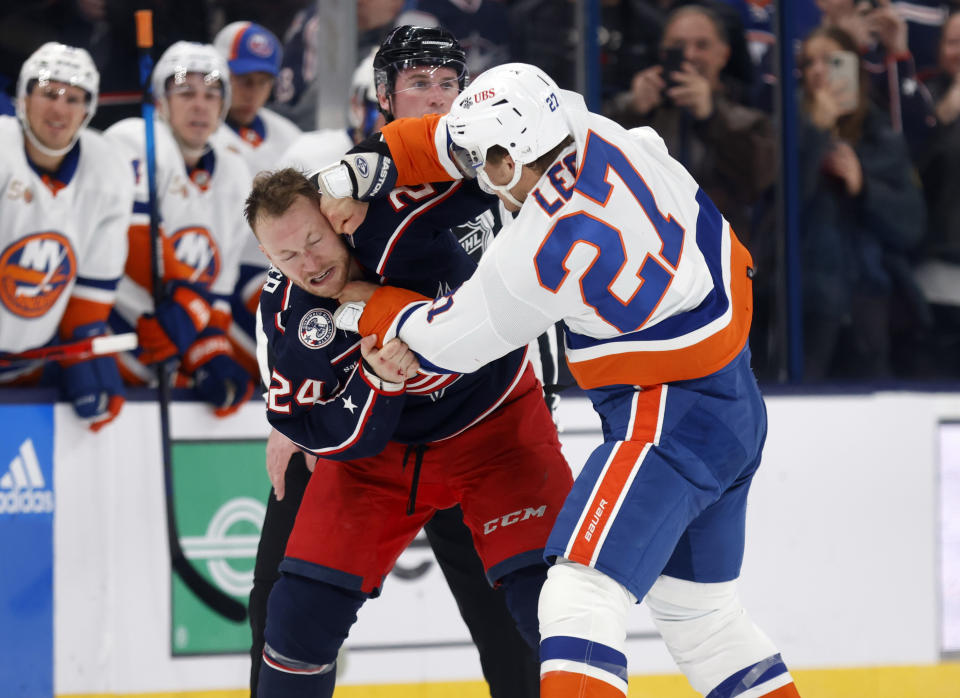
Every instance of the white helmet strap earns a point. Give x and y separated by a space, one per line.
49 152
488 186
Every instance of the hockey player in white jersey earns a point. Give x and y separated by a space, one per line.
260 136
201 188
63 223
615 238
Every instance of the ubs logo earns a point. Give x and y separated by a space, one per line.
34 272
484 95
194 246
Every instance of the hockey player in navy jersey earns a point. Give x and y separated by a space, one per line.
405 446
409 57
63 220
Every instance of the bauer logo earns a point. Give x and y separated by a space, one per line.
23 488
220 492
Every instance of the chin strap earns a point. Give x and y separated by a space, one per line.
486 185
49 152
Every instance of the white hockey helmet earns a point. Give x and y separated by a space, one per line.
514 105
185 57
55 62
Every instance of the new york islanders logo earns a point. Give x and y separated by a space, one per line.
317 328
259 45
34 272
194 246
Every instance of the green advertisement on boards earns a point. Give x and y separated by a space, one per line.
220 497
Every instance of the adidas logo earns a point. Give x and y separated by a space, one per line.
23 489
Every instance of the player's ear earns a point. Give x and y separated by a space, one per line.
382 97
508 164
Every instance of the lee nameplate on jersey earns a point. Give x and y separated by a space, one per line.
317 328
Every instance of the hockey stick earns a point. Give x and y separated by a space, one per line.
209 594
81 349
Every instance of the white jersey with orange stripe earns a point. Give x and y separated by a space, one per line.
201 217
63 235
619 242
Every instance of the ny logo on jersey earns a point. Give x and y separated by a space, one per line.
34 272
194 246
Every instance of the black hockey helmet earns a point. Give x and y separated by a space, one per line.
409 46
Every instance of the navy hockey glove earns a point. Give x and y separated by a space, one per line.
175 325
217 377
93 385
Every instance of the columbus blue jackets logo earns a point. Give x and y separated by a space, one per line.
317 328
34 272
195 247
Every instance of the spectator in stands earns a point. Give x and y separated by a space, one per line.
545 33
939 271
483 25
727 146
881 33
861 211
296 93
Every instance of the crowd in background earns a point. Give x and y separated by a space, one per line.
877 135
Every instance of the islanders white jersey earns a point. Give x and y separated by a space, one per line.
618 241
201 222
261 145
62 239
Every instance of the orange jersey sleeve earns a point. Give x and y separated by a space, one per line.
382 309
413 150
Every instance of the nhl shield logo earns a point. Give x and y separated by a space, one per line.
317 328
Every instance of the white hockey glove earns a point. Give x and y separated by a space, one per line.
347 316
360 176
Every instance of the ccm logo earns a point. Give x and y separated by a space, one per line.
514 517
483 95
597 515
